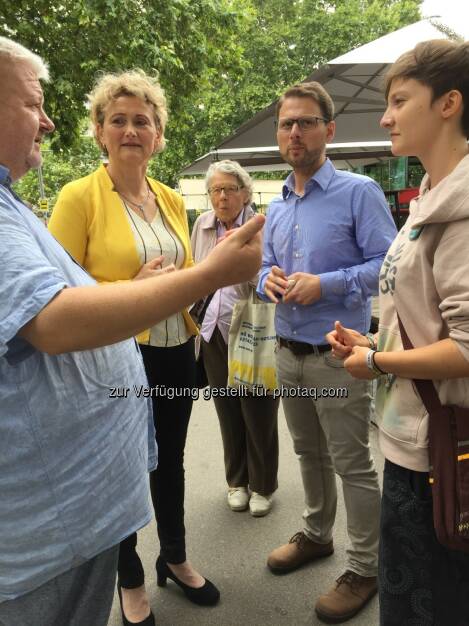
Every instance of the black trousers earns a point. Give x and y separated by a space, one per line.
173 371
421 582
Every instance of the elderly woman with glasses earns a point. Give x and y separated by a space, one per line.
248 424
122 225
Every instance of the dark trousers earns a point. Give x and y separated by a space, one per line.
173 370
420 581
248 426
82 596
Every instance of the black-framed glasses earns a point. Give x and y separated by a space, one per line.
306 123
229 190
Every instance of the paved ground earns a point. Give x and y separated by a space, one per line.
231 548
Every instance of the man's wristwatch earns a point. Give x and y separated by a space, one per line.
371 365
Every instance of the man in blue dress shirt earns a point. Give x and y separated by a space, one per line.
324 242
76 441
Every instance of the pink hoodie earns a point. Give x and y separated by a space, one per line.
426 277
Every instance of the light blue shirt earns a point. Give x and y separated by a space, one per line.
73 461
340 230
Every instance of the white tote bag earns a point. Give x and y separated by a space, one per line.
251 345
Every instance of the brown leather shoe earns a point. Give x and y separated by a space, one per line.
348 596
298 551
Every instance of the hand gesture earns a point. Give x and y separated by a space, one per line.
276 284
237 258
153 268
302 288
356 365
343 340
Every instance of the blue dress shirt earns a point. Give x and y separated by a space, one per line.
73 461
340 230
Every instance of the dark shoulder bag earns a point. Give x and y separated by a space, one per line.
198 313
449 463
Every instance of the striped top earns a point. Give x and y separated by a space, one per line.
152 240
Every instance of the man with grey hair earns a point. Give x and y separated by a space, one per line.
325 240
75 440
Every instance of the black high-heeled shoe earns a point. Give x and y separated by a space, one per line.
148 621
207 595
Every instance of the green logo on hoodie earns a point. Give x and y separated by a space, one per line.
415 233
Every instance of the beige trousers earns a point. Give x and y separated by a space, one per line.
331 436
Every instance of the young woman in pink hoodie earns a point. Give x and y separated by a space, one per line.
425 278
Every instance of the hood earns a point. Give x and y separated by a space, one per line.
447 202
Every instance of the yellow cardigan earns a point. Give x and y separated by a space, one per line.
90 222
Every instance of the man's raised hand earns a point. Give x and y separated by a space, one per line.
238 257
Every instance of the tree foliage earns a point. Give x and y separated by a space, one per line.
81 38
59 168
285 42
220 61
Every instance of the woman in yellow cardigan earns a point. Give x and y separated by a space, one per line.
121 225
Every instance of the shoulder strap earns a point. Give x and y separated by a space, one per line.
426 388
208 299
199 309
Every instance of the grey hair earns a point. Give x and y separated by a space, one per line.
11 50
234 169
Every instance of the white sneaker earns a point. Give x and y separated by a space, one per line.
238 498
260 505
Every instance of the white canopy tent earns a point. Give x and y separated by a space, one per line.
354 80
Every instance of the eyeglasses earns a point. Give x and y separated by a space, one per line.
229 190
306 124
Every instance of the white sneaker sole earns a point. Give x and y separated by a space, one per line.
261 513
237 508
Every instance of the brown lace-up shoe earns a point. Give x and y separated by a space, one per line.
298 551
348 596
